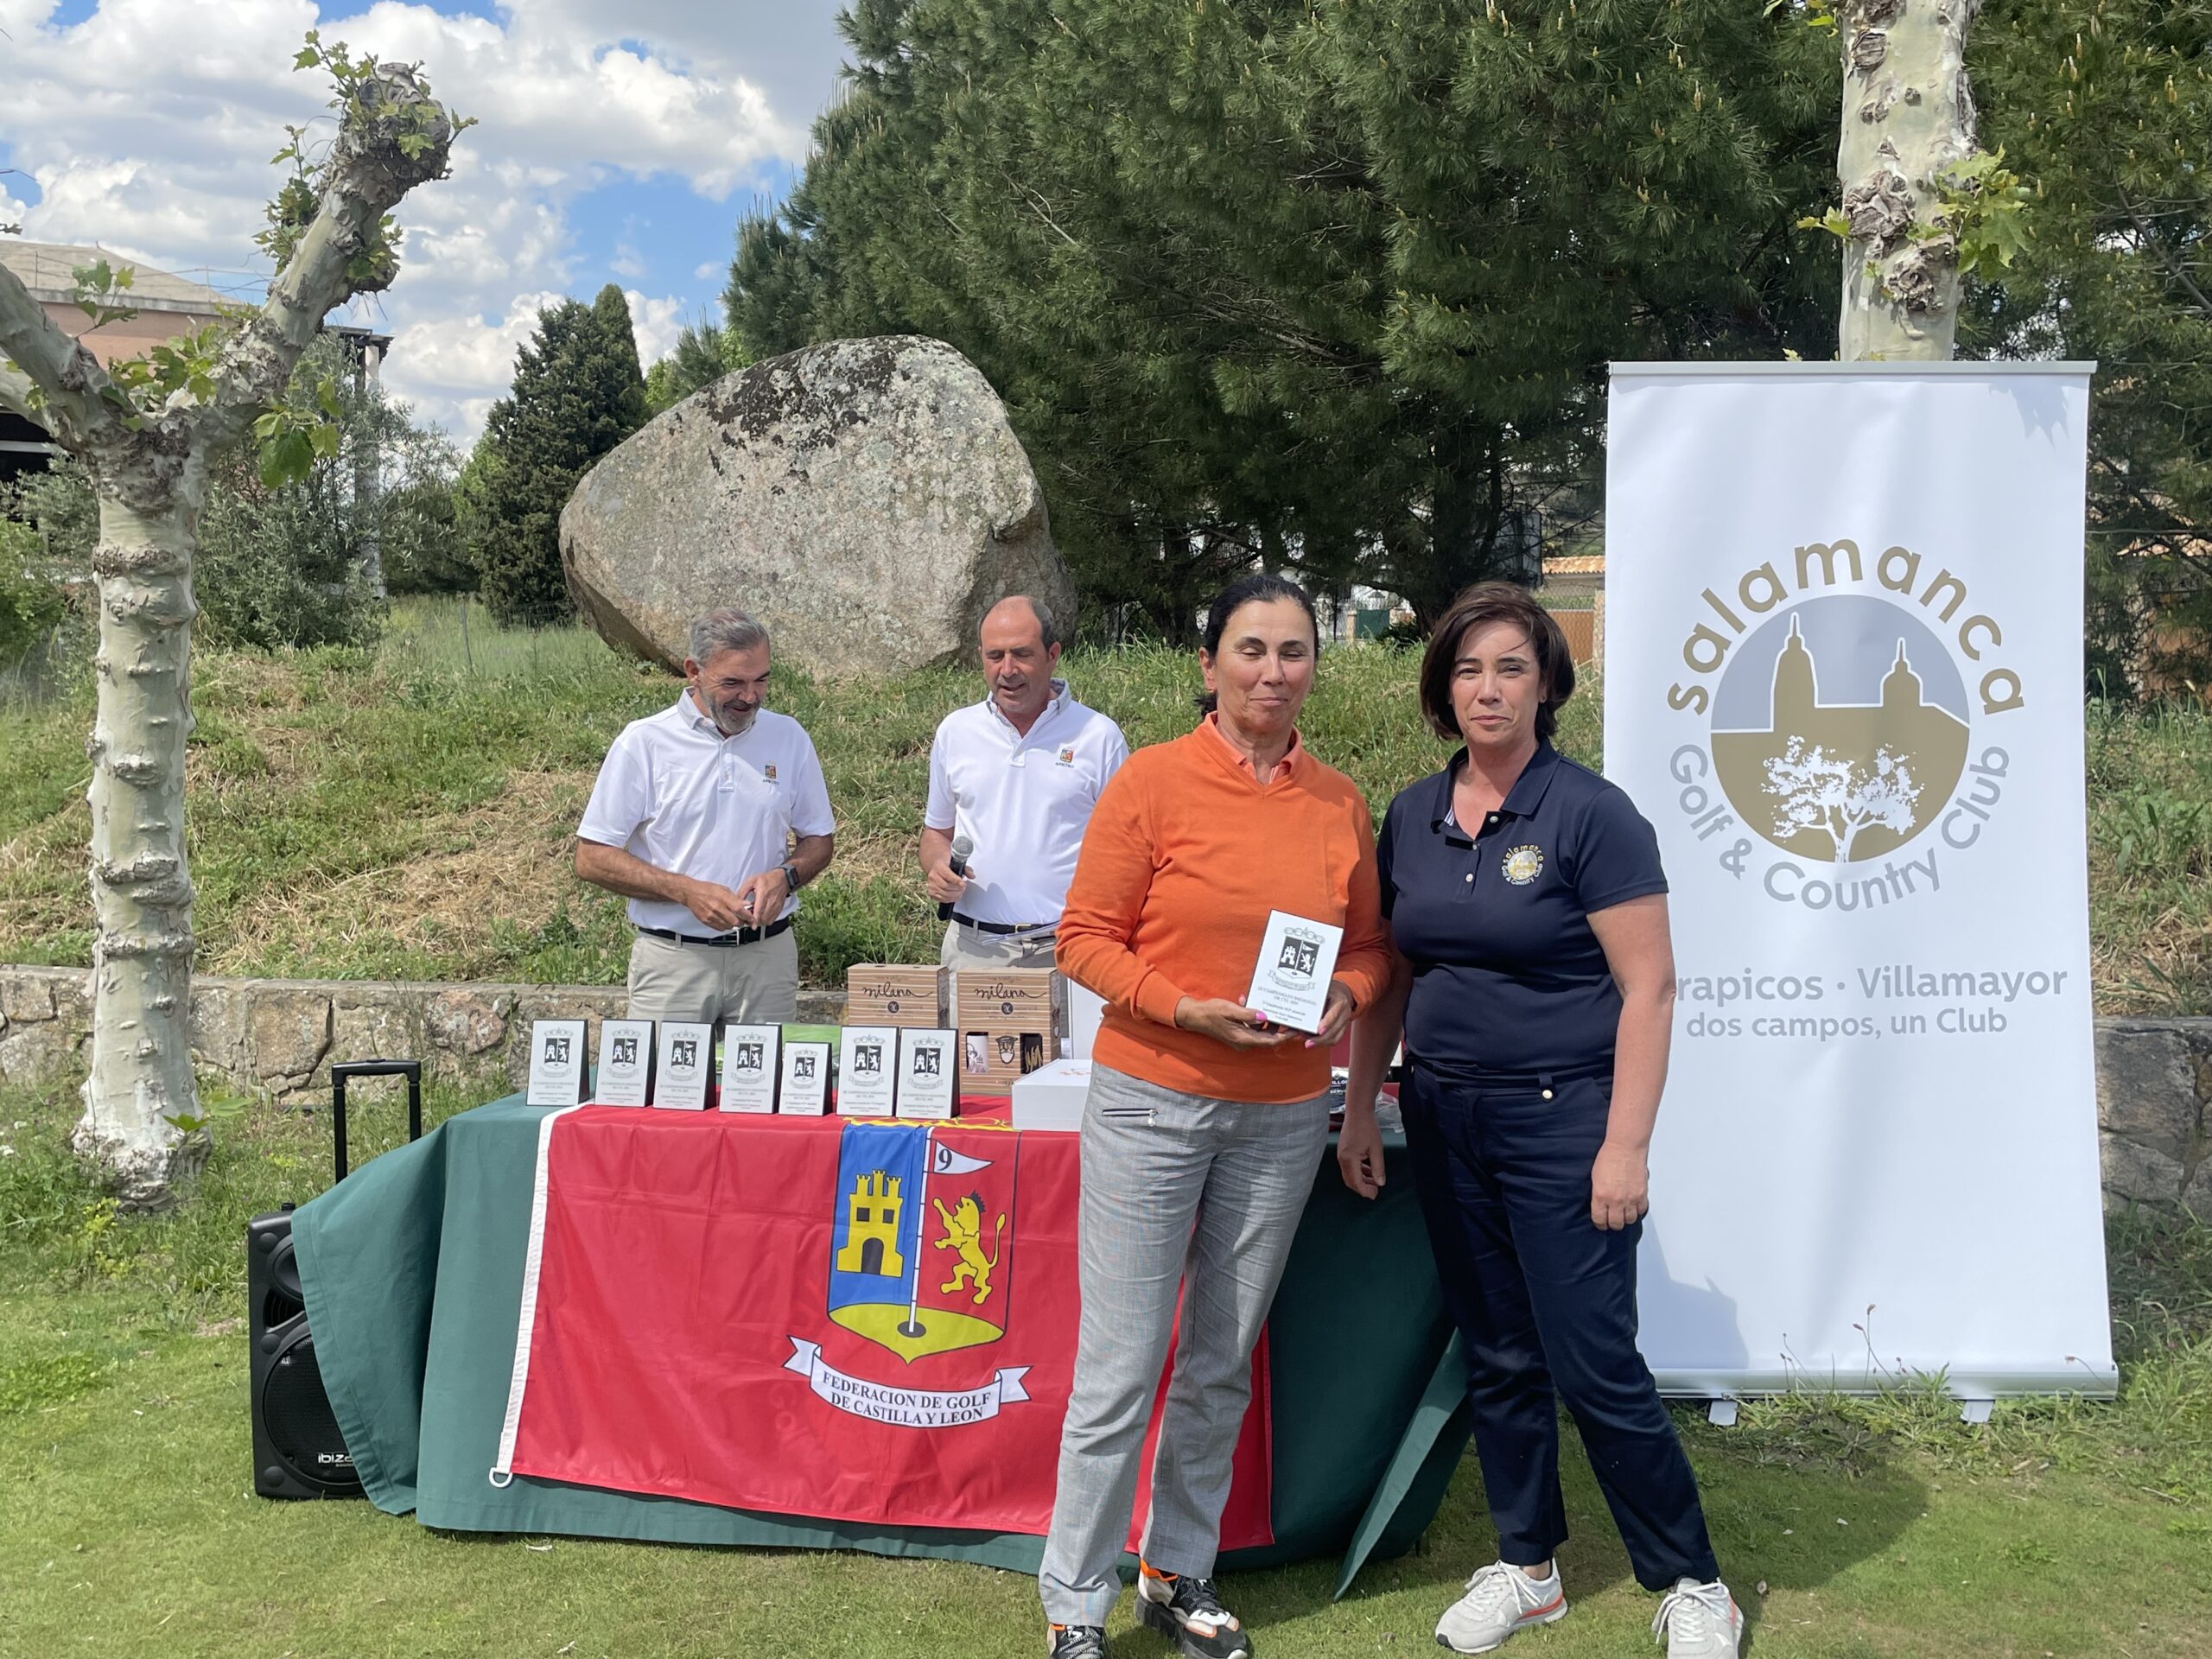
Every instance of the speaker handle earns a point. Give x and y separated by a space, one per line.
411 1070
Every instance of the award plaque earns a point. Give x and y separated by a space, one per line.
927 1065
686 1060
556 1063
1290 981
626 1063
748 1068
805 1088
867 1071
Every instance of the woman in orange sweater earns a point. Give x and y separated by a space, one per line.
1205 1124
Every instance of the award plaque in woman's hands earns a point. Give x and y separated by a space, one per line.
1290 981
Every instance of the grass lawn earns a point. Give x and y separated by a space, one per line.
1876 1529
406 813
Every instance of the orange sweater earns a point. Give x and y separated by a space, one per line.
1185 854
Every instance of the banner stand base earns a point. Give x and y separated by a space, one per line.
1720 1411
2076 1377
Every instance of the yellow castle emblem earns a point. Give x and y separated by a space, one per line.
887 1236
872 1211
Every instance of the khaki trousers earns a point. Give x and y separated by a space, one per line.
969 947
716 984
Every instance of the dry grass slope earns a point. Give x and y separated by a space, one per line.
407 813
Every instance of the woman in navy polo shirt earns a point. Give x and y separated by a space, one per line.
1535 989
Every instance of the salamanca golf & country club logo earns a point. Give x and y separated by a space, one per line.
1841 751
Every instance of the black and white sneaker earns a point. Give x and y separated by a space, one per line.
1186 1608
1077 1642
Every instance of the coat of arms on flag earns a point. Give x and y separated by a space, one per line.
921 1259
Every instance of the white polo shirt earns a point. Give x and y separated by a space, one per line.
677 793
1024 800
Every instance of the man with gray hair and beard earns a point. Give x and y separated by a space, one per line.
708 817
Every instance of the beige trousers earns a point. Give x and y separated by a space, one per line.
968 947
716 984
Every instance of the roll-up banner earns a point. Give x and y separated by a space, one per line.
1843 680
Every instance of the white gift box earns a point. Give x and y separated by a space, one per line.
748 1068
1290 981
1052 1096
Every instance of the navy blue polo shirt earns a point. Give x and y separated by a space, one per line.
1507 974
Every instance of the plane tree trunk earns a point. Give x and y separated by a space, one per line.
1908 118
147 455
141 1081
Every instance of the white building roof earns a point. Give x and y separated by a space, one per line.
45 268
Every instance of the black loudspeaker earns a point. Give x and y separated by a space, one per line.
297 1449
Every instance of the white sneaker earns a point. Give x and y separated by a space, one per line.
1698 1621
1500 1600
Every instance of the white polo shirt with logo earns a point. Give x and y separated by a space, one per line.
677 793
1024 799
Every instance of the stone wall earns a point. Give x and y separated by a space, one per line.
2154 1077
281 1035
2154 1112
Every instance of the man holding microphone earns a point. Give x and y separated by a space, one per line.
708 817
1015 778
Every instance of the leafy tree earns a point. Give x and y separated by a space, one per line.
294 563
58 503
1331 288
32 603
704 353
148 432
577 392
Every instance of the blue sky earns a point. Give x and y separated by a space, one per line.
618 143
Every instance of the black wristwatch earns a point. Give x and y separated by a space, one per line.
791 875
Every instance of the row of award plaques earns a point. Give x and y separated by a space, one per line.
858 1070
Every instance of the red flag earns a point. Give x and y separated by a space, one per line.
852 1321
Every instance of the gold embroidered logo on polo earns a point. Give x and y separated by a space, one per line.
1522 865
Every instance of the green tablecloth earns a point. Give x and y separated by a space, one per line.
412 1269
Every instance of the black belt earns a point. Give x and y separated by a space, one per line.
1005 928
743 936
1481 1076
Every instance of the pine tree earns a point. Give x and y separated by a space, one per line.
703 356
577 392
2104 107
615 380
1331 288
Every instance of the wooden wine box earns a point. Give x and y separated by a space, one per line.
894 994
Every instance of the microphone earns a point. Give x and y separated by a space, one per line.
962 849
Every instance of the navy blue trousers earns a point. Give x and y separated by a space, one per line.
1545 1300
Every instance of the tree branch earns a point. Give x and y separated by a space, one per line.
19 392
67 376
2175 269
368 170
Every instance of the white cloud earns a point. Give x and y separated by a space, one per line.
454 368
704 269
656 323
150 131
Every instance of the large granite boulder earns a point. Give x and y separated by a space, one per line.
865 499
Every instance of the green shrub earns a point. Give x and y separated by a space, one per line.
32 605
